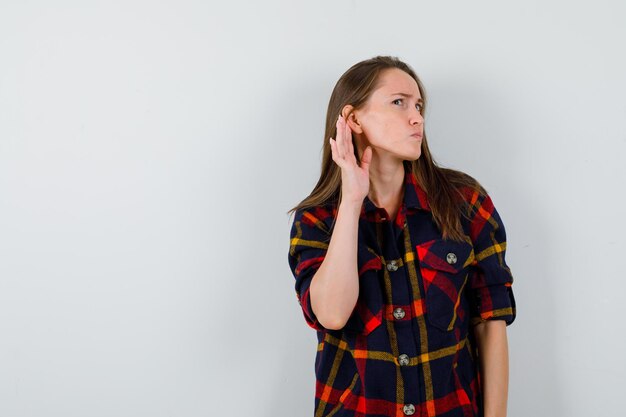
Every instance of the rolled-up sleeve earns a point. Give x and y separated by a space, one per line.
491 279
309 239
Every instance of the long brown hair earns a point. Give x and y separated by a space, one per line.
443 186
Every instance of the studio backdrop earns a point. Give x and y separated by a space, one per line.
149 153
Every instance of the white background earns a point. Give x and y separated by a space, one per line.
149 152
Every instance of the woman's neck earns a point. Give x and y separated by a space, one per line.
387 187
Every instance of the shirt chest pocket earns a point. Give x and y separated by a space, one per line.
445 267
368 311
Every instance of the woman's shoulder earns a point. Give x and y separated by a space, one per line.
321 216
319 211
468 186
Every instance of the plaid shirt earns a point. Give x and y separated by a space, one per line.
407 348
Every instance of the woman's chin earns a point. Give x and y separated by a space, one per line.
413 156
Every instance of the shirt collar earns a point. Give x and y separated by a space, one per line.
414 195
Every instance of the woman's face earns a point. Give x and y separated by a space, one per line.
391 120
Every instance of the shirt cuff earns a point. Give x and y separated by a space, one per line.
494 303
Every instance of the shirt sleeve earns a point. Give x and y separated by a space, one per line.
309 239
491 282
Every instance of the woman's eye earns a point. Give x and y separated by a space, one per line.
398 101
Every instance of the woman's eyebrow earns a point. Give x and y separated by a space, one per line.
408 96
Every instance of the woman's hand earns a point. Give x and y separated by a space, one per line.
355 180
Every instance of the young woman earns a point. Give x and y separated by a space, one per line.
399 263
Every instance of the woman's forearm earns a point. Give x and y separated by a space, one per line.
493 352
335 285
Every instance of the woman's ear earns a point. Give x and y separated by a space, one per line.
352 118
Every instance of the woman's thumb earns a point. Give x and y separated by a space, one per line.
366 158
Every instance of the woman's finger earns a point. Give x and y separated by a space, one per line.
340 138
366 158
333 151
349 145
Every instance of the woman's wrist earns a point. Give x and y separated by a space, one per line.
350 207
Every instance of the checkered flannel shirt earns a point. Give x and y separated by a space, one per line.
407 348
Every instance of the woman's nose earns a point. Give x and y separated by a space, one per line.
416 117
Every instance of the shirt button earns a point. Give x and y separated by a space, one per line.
392 266
403 359
451 258
398 313
409 409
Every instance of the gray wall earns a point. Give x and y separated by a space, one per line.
150 150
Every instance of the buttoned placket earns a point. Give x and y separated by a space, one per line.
392 243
